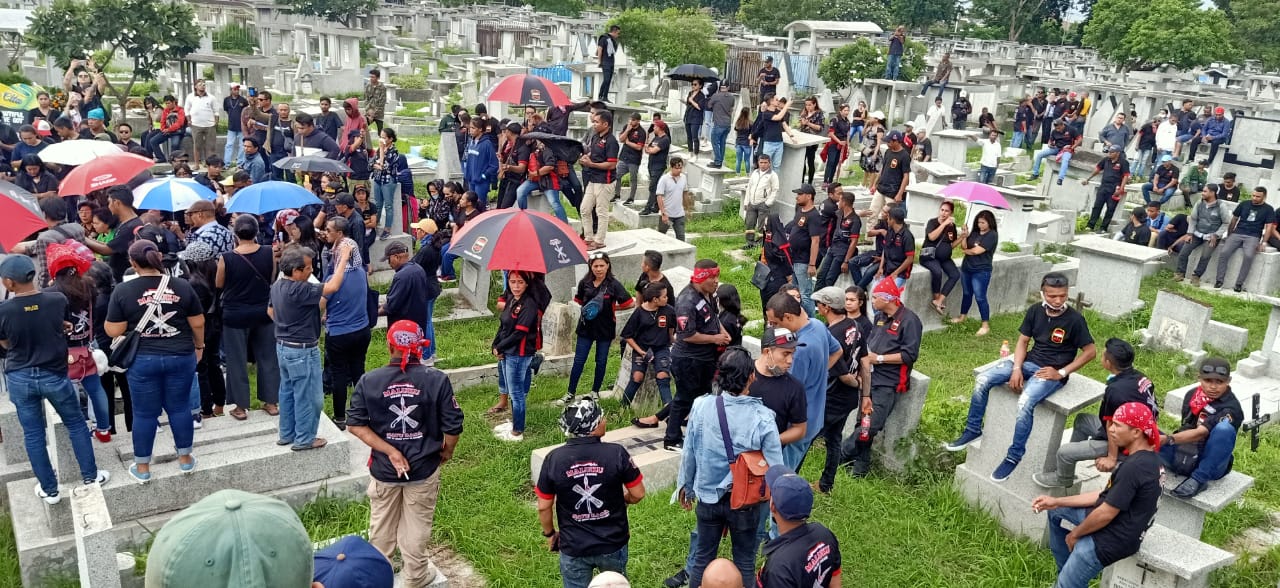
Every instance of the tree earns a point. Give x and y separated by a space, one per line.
1027 21
1257 25
672 37
921 14
849 65
770 17
149 34
1149 34
344 12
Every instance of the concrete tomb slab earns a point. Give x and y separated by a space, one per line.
1111 273
659 466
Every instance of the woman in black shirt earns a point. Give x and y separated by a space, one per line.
979 249
935 255
244 276
730 314
695 106
519 331
35 179
202 271
811 121
742 142
599 295
649 333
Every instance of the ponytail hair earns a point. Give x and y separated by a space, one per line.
145 254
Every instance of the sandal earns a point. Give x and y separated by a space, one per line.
497 410
982 331
939 308
635 421
271 408
239 414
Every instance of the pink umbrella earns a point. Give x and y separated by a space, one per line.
975 193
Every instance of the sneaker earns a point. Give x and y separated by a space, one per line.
1238 288
1217 285
1195 280
1178 277
1059 181
965 439
142 477
504 427
197 421
679 579
48 498
103 436
103 477
1050 480
510 436
187 468
566 399
1004 470
384 234
595 395
341 424
673 447
1033 177
748 247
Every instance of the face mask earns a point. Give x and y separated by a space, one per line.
775 370
1051 308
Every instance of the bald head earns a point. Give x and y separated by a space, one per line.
721 573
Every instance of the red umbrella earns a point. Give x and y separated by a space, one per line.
528 90
19 215
104 172
514 239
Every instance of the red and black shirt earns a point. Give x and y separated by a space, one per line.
899 333
519 328
600 149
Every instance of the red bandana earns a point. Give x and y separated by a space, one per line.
1138 416
405 336
1198 401
701 275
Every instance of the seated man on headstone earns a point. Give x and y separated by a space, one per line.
1202 447
1136 230
1089 439
1058 331
1108 525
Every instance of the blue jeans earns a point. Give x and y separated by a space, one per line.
97 401
516 378
942 87
1215 456
235 147
742 158
713 519
855 133
973 287
580 362
1033 391
159 382
661 374
577 571
774 151
28 388
1076 567
1042 154
553 199
446 262
1165 194
156 143
986 174
805 283
1018 138
384 202
1141 164
719 136
301 394
891 66
430 331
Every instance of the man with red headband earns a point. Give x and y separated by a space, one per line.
699 334
1108 525
407 414
1202 447
892 348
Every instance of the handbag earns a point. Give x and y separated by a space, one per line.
124 349
748 468
928 252
1186 457
760 276
80 363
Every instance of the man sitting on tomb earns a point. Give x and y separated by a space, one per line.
1202 447
1108 525
1136 230
1089 439
1253 225
1058 331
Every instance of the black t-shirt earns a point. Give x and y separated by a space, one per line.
658 160
1112 172
732 324
1253 218
412 410
1136 234
1147 136
1164 175
605 325
119 260
585 477
829 211
172 336
784 395
1231 194
900 333
805 556
1062 138
1225 407
651 329
846 231
983 261
644 281
800 233
630 154
769 80
606 43
695 115
771 130
31 326
296 306
1134 490
898 246
247 288
1055 338
601 149
696 314
1127 386
948 235
518 327
852 335
894 166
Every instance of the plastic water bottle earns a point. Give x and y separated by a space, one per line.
864 428
1004 348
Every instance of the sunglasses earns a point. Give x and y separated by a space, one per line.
596 255
1210 370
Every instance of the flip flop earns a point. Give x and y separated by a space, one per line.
496 410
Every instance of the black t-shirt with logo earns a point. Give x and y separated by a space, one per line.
644 281
658 161
32 326
801 230
1225 407
1164 175
651 329
612 293
852 335
846 231
608 47
585 477
170 336
805 556
1112 173
412 410
601 149
518 328
1134 490
1055 339
784 395
1253 218
695 314
630 154
894 166
1127 386
948 235
829 211
1231 194
900 333
898 246
769 80
1062 138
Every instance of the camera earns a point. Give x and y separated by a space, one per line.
253 91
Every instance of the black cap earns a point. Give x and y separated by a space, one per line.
394 248
1215 368
345 199
805 189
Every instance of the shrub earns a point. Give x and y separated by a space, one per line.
410 81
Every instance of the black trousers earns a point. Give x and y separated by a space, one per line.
343 365
810 163
110 380
693 379
1103 199
213 387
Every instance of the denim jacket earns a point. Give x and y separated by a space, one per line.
704 468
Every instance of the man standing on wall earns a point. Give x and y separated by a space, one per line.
606 48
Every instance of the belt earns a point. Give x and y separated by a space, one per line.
299 345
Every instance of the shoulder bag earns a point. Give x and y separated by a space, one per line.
124 349
748 468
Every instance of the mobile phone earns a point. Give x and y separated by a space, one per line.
253 91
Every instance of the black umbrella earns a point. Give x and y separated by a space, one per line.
564 148
692 71
313 163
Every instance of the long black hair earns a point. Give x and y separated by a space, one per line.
78 288
729 301
735 370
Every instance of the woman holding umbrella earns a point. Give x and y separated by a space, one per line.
695 105
519 330
975 271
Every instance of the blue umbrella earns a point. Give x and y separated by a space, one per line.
170 194
269 197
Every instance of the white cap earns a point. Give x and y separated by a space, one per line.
609 580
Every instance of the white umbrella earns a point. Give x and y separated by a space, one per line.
170 194
78 151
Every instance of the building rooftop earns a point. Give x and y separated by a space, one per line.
835 26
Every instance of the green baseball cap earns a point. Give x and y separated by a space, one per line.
232 538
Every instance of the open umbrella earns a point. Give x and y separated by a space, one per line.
975 193
529 90
103 172
78 151
20 215
692 71
515 239
312 163
170 194
564 148
270 197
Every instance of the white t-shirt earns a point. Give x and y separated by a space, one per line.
1167 135
990 153
672 192
200 110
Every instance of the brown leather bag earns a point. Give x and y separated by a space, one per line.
748 468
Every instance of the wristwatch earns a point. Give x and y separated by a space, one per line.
548 534
1063 373
879 358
